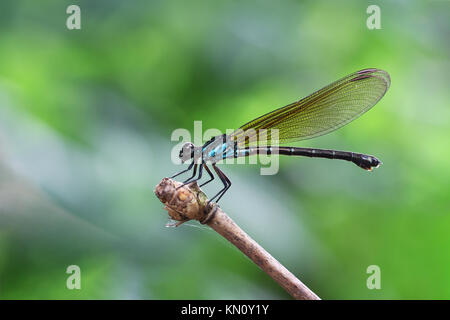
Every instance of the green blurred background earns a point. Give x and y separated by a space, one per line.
86 118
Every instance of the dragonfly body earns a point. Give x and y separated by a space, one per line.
321 112
218 149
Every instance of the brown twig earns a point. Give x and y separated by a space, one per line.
188 203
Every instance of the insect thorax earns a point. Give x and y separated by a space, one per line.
218 148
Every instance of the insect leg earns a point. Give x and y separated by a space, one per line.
193 174
226 182
200 172
210 175
181 172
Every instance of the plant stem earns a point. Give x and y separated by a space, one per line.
188 202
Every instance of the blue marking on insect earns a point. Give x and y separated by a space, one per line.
217 149
229 154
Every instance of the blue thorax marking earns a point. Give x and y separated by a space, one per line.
218 149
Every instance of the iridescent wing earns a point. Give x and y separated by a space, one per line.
319 113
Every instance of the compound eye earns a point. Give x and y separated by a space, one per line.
186 151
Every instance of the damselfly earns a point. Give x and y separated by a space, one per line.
319 113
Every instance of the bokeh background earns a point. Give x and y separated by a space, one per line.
86 118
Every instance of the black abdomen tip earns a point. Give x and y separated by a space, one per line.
368 162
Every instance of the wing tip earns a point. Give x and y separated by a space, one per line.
373 72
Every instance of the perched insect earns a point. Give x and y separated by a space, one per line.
319 113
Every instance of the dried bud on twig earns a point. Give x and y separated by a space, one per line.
188 202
